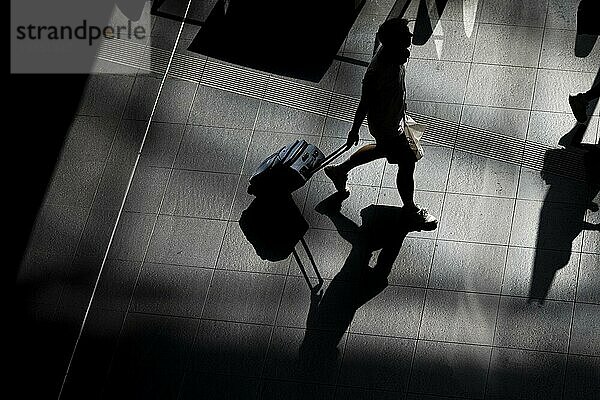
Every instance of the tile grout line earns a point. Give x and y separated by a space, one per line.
512 222
72 356
418 333
571 322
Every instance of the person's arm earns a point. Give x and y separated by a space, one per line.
360 115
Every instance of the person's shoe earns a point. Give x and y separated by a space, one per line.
578 106
338 178
424 220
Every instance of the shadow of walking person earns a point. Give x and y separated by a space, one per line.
573 178
361 278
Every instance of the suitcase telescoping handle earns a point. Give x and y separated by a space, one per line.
327 160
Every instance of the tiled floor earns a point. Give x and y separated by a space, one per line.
182 307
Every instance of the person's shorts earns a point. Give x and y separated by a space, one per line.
396 148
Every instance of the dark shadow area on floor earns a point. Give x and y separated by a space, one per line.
424 26
294 39
573 178
274 226
359 280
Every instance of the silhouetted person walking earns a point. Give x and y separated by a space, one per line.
383 103
587 24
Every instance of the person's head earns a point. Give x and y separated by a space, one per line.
394 34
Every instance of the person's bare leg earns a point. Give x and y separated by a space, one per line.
339 173
406 185
364 155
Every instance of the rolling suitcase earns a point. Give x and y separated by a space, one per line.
290 168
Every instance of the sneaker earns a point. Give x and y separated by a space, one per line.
578 106
339 179
424 219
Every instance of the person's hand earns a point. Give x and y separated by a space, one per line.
352 138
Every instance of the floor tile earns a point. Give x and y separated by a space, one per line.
339 129
447 314
591 238
510 122
173 104
541 185
586 322
518 374
219 108
142 98
479 225
277 118
529 326
431 172
162 144
238 254
549 127
515 12
582 378
377 362
361 36
588 279
74 184
558 52
131 237
413 396
219 387
453 10
366 394
300 308
411 266
105 95
158 340
432 201
304 356
442 110
89 139
273 390
213 149
562 14
450 369
518 46
230 348
98 342
127 143
186 241
349 79
552 89
396 312
116 285
147 189
244 297
468 266
516 93
541 273
331 253
171 290
360 197
449 42
536 225
472 174
445 81
200 194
